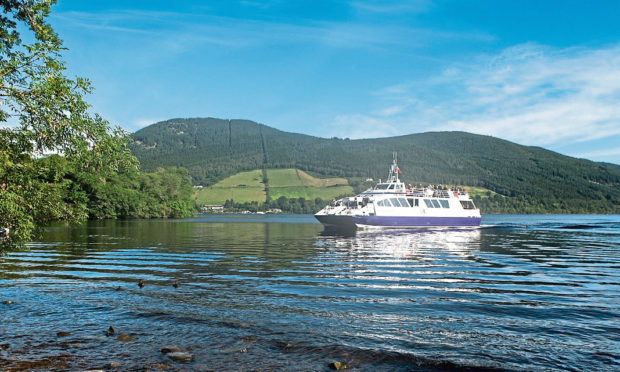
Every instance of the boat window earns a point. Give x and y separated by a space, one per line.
395 202
467 204
380 203
436 203
413 202
403 202
387 203
428 203
381 186
444 203
391 187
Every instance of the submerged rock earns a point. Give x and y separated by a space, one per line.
111 331
338 366
58 363
181 356
124 337
113 365
157 367
4 346
177 354
172 349
63 334
284 346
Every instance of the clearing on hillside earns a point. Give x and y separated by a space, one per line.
241 187
325 193
295 183
291 183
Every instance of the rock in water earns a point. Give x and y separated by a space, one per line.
141 284
172 349
158 367
4 346
111 331
338 366
181 356
177 354
175 284
63 334
124 337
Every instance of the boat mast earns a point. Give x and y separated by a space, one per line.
393 175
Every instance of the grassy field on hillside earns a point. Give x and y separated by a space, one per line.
242 187
308 180
478 191
295 183
291 183
283 178
325 193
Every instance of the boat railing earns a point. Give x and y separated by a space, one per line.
441 194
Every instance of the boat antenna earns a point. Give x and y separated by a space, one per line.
393 176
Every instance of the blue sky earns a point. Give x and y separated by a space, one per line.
544 73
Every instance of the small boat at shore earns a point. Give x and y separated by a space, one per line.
392 204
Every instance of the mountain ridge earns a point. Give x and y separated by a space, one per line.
526 178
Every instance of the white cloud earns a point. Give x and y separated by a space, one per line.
529 94
600 154
387 7
185 31
391 111
141 123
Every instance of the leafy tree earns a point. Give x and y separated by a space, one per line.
58 161
43 112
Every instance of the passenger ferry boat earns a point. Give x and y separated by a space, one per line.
392 204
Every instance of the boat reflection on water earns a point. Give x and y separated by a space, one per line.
404 243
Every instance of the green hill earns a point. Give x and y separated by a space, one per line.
519 178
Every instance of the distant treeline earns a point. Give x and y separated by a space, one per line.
286 205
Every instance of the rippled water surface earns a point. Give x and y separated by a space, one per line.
279 293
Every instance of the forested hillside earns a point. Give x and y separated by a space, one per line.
523 179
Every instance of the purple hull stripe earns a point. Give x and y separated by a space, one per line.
416 221
391 221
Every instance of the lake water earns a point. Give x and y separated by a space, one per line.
278 293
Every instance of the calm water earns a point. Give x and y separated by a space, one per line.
278 293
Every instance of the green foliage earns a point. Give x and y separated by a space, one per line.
166 193
286 205
48 115
519 178
57 161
